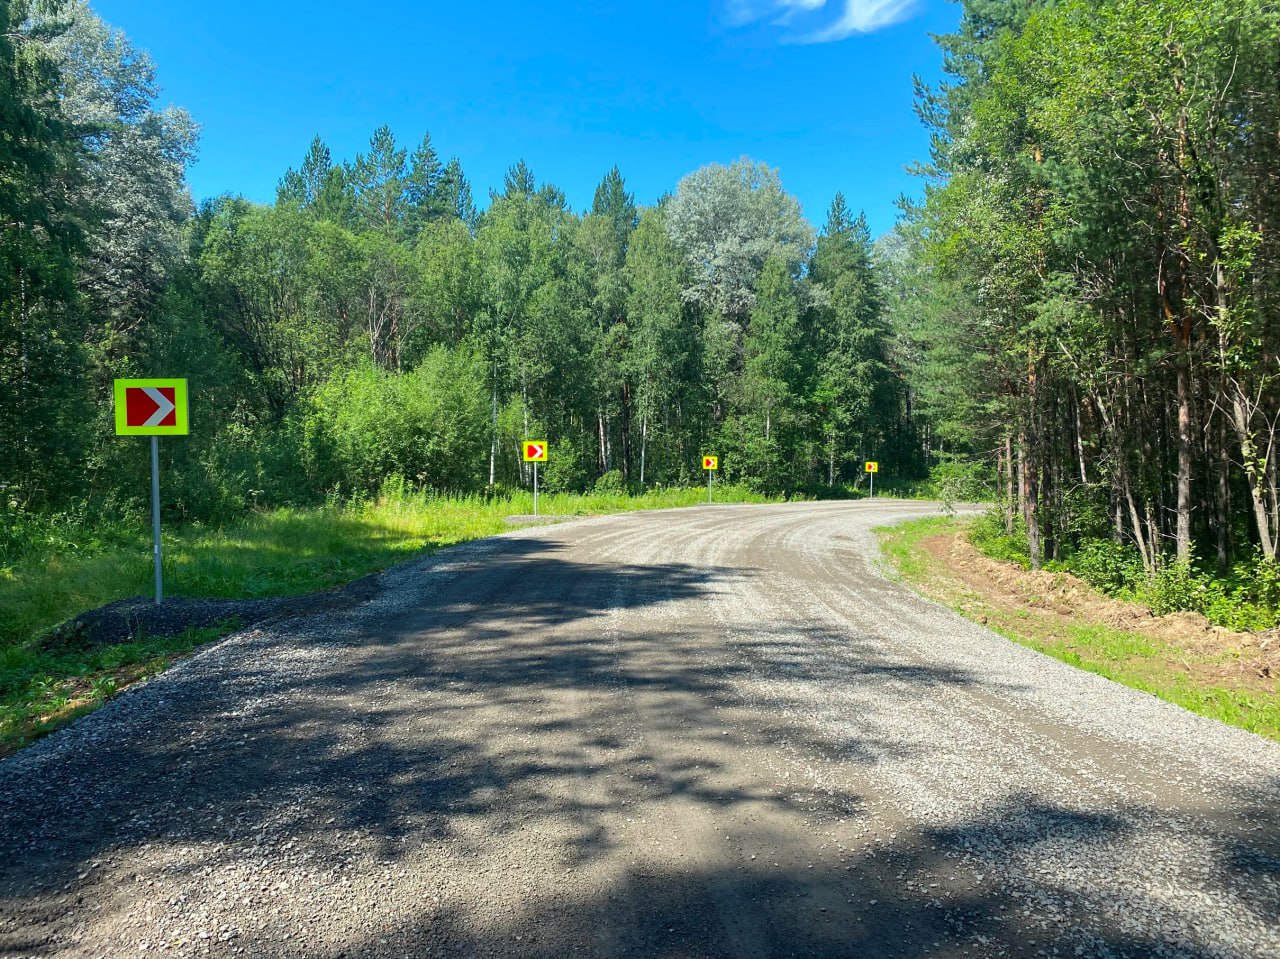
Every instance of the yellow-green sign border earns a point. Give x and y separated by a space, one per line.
181 408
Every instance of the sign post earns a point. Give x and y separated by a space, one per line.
152 408
710 464
872 468
535 452
155 515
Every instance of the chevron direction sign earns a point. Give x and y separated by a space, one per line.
535 451
151 407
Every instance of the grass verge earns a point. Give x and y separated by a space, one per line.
41 691
278 553
1174 673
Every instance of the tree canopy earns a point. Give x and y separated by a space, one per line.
1079 315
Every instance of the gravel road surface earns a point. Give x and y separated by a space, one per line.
691 733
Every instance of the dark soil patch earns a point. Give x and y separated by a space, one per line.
126 620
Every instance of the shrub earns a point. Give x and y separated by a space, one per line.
430 426
611 482
992 537
1179 588
566 469
957 481
1107 565
1261 581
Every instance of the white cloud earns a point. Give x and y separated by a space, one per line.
865 16
855 16
793 8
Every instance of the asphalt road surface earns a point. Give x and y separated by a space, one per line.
692 733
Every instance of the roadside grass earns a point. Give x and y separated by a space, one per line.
283 552
1126 657
41 691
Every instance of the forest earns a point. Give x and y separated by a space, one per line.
371 322
1077 318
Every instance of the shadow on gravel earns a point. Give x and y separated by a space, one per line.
534 691
353 727
912 898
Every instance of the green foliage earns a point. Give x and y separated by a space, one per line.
43 414
728 221
428 425
1244 600
1124 657
1112 567
961 480
1179 588
566 469
611 482
991 534
1080 148
1259 580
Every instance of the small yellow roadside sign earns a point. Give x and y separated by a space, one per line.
710 462
872 466
151 407
535 451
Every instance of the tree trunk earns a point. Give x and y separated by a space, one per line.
1027 494
1009 504
1032 511
493 443
624 431
644 444
1222 503
1153 539
1185 440
1268 525
1075 403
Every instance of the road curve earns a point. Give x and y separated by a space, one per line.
711 732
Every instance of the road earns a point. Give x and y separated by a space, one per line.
691 733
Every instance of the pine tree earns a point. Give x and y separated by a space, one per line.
453 195
379 182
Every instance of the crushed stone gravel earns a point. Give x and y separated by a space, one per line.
708 732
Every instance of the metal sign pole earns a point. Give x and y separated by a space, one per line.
873 482
710 473
155 512
535 487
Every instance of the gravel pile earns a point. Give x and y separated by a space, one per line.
129 619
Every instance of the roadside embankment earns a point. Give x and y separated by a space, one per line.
1180 657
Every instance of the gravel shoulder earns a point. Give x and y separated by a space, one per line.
688 733
1047 610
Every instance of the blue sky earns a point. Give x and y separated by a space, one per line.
819 89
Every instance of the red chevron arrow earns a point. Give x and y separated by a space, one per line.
150 406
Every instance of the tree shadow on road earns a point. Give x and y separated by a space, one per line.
914 897
527 693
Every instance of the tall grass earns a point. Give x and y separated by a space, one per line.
278 553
